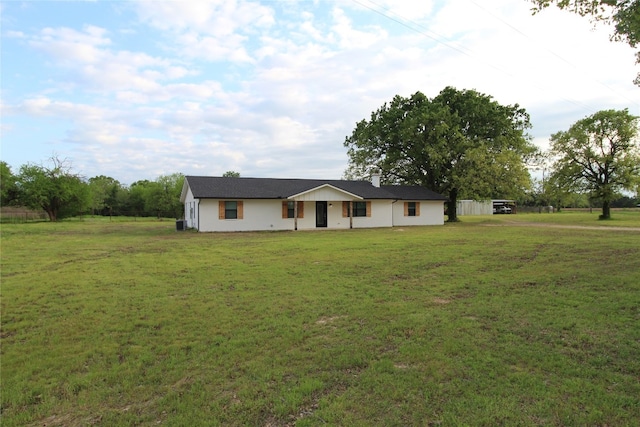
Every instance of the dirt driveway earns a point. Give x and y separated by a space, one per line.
577 227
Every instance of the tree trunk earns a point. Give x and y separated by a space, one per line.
606 210
52 214
452 206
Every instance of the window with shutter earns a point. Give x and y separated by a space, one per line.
359 209
228 209
289 212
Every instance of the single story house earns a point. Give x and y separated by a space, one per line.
251 204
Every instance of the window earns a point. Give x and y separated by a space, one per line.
359 209
228 209
411 208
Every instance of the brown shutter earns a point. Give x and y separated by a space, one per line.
300 209
345 209
368 208
406 208
240 210
285 210
221 209
417 208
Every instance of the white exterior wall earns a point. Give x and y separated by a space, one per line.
334 215
431 213
267 215
381 216
309 220
257 215
191 210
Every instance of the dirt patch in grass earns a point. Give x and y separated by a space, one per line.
56 420
67 420
564 226
325 320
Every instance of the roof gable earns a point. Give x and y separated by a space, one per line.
325 192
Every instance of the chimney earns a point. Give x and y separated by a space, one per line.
375 178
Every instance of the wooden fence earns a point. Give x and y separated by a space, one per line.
21 215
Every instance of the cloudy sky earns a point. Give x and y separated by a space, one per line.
138 89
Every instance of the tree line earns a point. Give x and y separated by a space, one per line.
460 143
59 191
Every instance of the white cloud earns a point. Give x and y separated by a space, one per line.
308 28
409 9
15 34
211 30
218 18
285 132
350 38
194 45
91 63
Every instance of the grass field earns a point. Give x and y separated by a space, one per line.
491 321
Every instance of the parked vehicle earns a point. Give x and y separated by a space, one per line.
502 210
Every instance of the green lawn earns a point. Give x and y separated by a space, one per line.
629 217
133 323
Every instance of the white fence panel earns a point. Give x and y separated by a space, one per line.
472 207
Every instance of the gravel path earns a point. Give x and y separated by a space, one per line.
578 227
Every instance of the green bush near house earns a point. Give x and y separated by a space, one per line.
481 322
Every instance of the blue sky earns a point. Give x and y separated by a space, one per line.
134 90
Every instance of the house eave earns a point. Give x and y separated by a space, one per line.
184 191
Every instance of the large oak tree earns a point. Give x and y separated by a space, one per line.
600 155
461 143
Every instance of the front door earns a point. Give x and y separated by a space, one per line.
321 214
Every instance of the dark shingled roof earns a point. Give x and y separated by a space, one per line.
412 192
209 187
